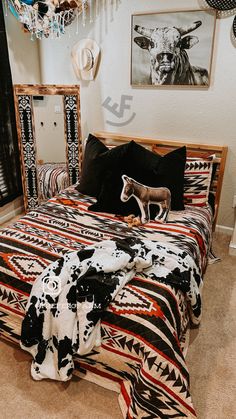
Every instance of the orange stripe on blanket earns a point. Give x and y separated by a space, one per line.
126 398
193 172
10 309
14 289
98 372
195 196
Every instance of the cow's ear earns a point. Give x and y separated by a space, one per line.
142 42
189 41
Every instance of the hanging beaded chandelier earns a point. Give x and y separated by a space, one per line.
48 18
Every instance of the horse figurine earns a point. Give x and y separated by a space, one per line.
146 195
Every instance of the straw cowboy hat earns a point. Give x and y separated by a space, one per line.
85 55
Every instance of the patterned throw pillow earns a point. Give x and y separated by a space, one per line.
197 181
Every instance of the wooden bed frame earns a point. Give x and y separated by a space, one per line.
193 150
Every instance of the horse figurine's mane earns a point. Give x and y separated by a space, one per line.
146 195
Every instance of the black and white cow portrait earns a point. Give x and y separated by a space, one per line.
168 51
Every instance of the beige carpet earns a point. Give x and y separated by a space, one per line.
211 360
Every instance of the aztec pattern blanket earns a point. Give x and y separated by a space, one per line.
138 347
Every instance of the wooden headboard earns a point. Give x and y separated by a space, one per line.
193 150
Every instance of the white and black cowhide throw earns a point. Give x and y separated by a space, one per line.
67 301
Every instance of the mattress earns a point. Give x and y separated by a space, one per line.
141 357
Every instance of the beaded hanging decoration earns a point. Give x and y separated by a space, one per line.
48 18
225 8
222 4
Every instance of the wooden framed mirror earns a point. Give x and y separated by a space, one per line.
50 147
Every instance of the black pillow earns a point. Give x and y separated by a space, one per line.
141 160
148 168
97 160
109 197
92 172
170 174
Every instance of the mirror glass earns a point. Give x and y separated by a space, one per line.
50 145
49 128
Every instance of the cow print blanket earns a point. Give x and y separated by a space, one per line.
69 298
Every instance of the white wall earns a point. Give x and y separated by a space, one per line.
199 115
23 53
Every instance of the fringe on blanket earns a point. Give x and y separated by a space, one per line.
212 258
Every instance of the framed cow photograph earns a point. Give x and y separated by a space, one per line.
172 48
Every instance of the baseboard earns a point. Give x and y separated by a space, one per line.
11 214
224 230
232 249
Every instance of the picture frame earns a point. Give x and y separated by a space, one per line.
172 48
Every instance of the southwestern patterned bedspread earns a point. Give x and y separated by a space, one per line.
143 329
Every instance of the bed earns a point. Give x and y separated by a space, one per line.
142 355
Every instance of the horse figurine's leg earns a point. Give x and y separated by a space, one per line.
158 214
164 215
168 205
146 212
163 212
144 208
167 209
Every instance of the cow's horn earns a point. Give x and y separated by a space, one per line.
186 29
143 31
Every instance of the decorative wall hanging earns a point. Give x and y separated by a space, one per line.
27 141
224 8
85 57
48 18
163 52
222 5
